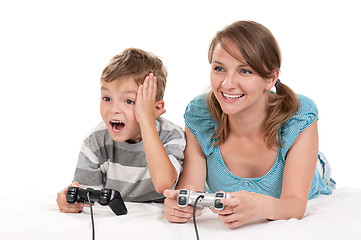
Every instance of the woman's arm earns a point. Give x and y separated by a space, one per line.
194 165
193 177
298 175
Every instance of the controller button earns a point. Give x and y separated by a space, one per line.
218 204
182 191
220 194
182 201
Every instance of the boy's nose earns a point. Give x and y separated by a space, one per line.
116 109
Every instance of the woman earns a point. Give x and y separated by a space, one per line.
260 146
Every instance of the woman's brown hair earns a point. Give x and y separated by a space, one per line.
261 52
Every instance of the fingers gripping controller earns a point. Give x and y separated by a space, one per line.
104 197
212 200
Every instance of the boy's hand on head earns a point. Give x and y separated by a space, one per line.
145 103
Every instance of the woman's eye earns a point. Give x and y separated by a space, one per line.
245 71
218 69
106 99
128 101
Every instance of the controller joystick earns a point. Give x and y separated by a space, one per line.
212 200
104 197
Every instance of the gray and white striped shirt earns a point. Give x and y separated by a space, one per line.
122 166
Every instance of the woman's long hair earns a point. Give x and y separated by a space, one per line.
260 50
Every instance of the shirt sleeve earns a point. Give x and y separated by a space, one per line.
200 122
173 139
305 116
88 171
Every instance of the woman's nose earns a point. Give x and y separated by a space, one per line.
229 81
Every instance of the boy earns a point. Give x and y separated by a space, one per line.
133 150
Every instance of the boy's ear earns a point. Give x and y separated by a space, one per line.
159 108
272 80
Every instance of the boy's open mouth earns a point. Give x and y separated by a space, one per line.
117 125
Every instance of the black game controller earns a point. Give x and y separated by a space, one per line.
104 197
211 200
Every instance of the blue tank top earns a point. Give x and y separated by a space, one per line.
219 178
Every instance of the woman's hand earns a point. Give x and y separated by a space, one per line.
66 207
174 213
244 207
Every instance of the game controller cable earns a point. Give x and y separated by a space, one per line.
200 200
194 214
91 215
104 197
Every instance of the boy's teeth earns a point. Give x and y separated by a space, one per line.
115 121
116 125
235 96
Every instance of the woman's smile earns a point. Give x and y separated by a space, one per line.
232 96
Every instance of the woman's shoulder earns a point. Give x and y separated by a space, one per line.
197 109
306 115
307 105
200 122
199 101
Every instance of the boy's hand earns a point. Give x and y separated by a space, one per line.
147 109
145 104
66 207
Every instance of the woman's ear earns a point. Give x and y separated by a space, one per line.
159 108
271 81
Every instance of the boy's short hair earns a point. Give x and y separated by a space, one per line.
138 64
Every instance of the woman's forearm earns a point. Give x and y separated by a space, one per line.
286 208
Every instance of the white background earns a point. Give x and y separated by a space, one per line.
53 52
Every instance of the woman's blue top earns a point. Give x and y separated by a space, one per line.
219 178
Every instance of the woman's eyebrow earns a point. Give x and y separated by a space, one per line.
240 66
217 62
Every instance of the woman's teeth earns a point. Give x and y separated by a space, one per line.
232 96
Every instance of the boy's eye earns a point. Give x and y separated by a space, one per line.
218 69
106 99
128 101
